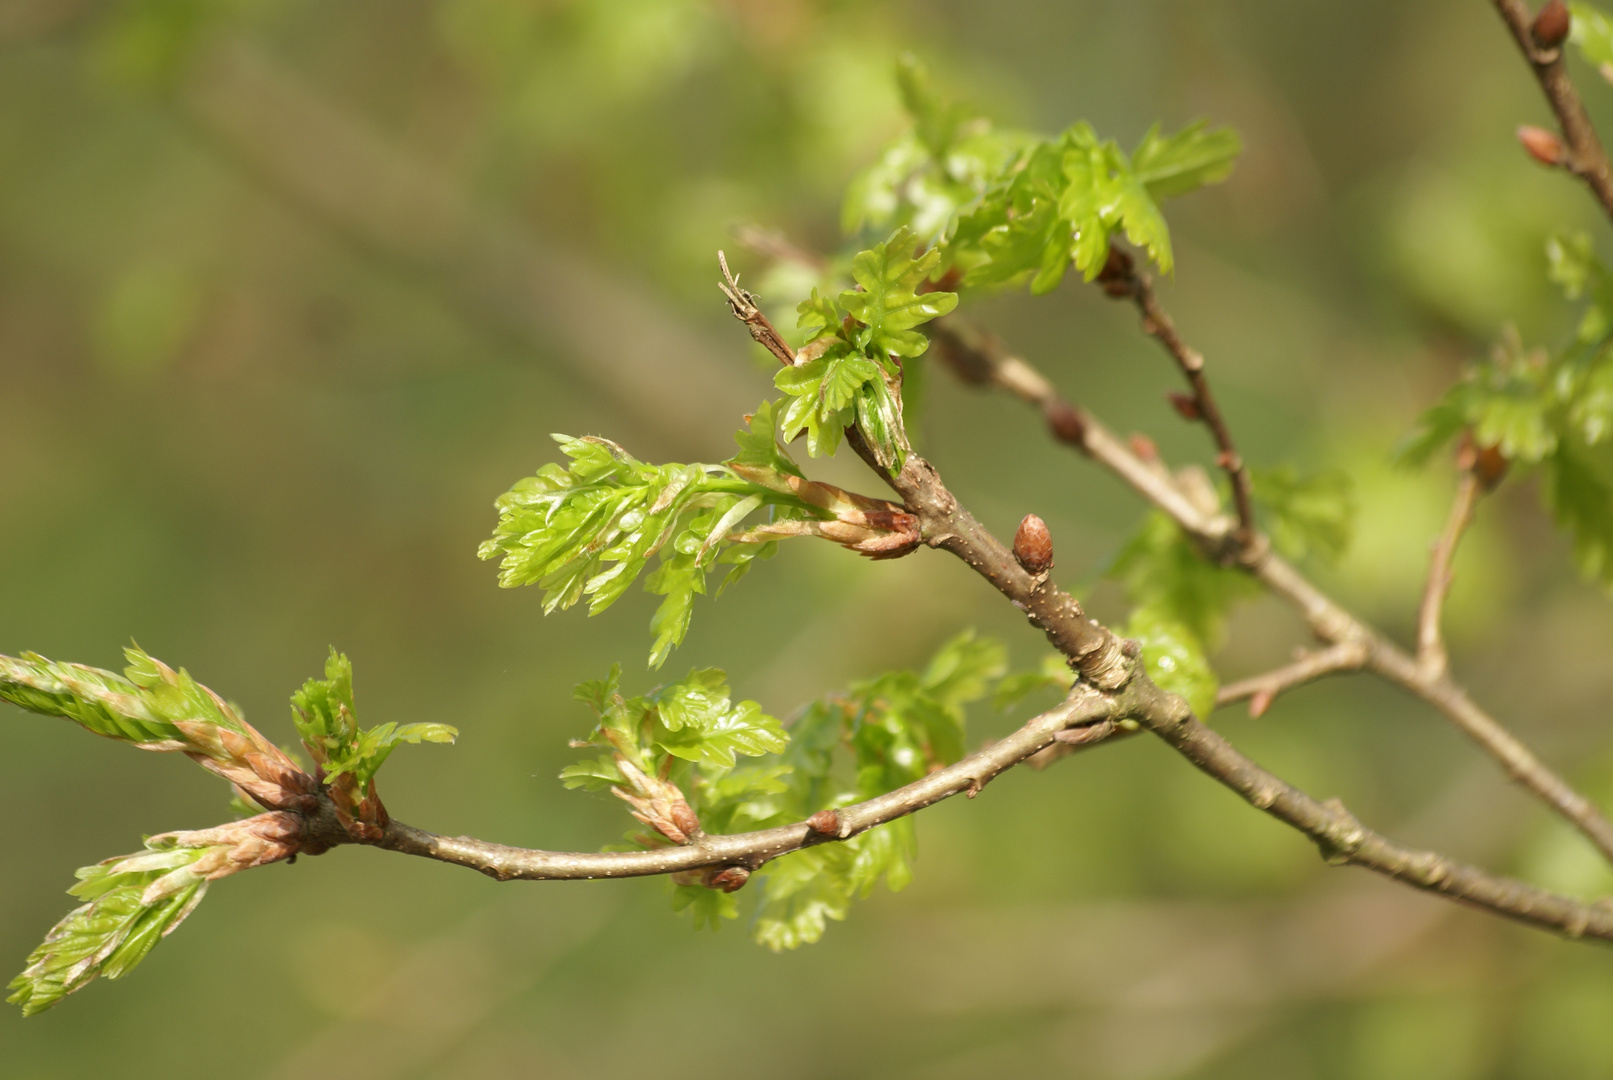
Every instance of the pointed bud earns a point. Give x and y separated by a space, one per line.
1065 422
1543 146
1260 702
1143 447
1551 26
1033 545
1186 405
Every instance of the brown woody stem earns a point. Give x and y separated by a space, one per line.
1430 645
1585 157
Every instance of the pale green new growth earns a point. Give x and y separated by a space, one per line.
327 720
133 902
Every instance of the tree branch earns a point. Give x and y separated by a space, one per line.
1344 840
982 359
1121 279
1584 156
752 850
1261 690
1431 652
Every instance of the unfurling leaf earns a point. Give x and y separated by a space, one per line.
134 901
327 720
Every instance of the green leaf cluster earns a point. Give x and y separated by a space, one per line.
1064 198
689 721
934 171
1174 658
132 902
851 368
881 734
590 528
327 721
1008 206
145 706
1548 410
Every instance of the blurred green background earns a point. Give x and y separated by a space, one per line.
289 291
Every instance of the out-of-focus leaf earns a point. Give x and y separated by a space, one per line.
1307 514
1174 658
1169 165
1164 572
1591 30
1579 490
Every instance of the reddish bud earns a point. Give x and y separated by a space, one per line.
1487 463
1144 447
1065 422
1260 702
684 818
1033 545
1551 26
1186 405
1116 269
1542 145
730 879
825 823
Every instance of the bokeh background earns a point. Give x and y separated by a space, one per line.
289 291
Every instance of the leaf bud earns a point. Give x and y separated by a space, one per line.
1116 275
730 879
1542 145
825 823
1065 422
1186 405
1033 545
1551 26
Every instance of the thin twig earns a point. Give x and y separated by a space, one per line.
1121 279
1585 157
1431 653
746 309
752 850
1262 690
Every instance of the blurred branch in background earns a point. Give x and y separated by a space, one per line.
339 171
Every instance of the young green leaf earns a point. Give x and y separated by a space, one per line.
1170 165
592 528
327 721
889 305
132 903
1163 571
1174 658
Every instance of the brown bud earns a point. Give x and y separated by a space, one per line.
1487 463
1065 422
684 818
1551 26
1033 545
1143 447
730 879
1260 702
1186 405
825 823
1543 146
1116 269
